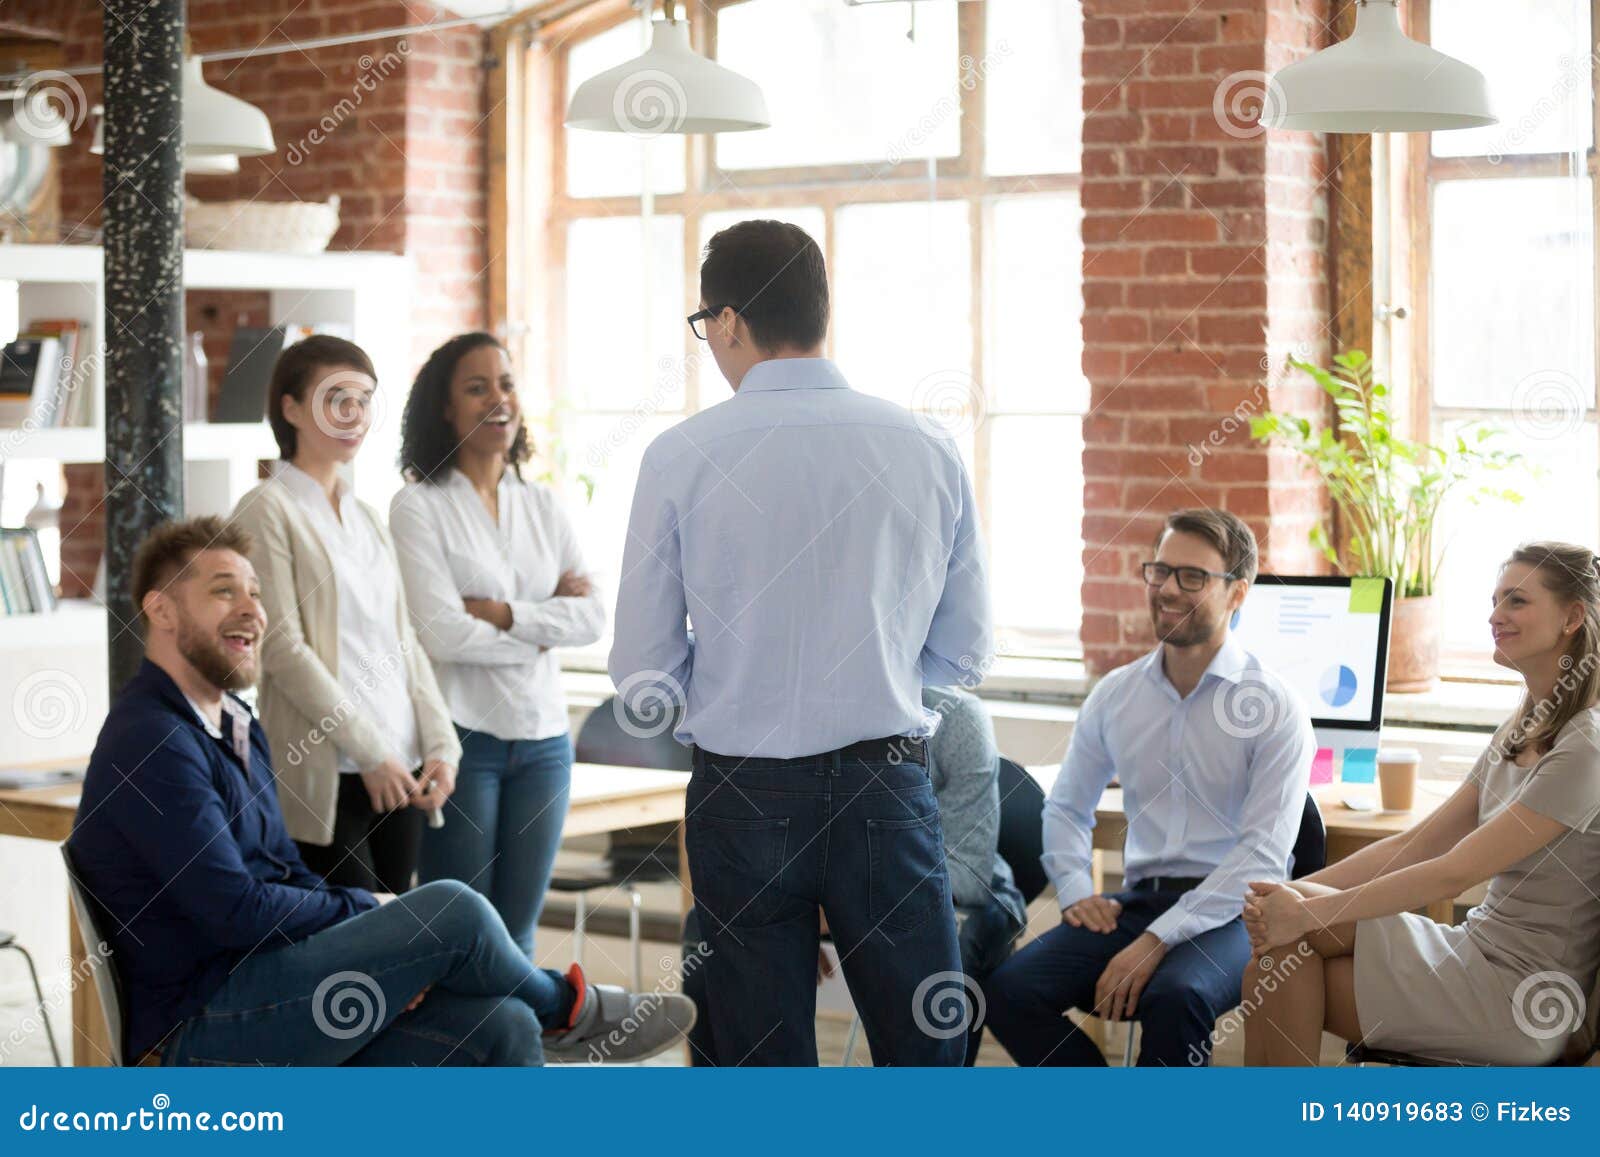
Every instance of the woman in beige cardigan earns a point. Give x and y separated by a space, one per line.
361 738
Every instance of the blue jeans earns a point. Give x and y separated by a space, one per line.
339 997
1197 982
771 841
503 825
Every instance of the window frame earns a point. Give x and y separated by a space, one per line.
710 189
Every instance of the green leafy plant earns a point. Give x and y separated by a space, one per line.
1387 488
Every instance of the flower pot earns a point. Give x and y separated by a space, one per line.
1414 644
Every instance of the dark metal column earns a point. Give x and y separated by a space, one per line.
143 333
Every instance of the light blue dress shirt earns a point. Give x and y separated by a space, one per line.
824 545
1213 784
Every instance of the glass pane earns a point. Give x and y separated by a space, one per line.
1036 523
1513 290
713 386
1562 504
1539 70
625 338
612 164
902 313
844 84
1033 95
607 448
1035 336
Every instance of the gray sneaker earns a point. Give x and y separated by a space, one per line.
610 1025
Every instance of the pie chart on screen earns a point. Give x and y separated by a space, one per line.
1338 685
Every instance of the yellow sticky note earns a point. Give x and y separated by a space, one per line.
1366 596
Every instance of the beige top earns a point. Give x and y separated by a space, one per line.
308 718
1543 913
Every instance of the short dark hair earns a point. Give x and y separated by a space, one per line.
292 373
171 546
1225 532
773 274
427 442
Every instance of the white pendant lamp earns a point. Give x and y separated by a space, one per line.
220 164
1377 81
670 89
216 124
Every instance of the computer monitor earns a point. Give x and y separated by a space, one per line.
1327 637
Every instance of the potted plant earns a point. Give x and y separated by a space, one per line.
1388 490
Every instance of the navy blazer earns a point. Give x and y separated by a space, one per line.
185 850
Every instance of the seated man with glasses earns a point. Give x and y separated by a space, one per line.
1214 757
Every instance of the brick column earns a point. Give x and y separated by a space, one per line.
1204 266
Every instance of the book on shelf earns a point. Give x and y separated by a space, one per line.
29 369
73 401
24 581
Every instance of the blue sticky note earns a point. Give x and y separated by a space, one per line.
1360 765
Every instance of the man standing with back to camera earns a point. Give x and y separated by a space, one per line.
825 546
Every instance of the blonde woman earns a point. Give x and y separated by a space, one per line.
1508 985
361 737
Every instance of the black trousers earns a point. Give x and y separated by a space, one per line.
370 849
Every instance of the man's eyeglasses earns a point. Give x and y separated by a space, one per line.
697 321
1190 578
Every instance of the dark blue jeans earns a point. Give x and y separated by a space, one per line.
1196 982
339 997
503 825
770 842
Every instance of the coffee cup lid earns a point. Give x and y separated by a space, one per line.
1399 755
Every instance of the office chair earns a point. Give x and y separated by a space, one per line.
643 744
1020 844
107 980
1310 854
9 940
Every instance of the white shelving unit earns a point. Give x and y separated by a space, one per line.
63 655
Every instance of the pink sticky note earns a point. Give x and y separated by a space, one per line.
1322 766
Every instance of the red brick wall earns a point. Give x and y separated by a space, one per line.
1204 265
395 128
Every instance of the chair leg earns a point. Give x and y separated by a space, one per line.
580 917
635 941
850 1041
1133 1035
38 993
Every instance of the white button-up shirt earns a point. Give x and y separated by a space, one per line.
1213 784
825 545
372 668
506 683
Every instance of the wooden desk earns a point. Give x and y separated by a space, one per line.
1348 831
604 799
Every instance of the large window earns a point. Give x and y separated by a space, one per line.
932 150
1507 286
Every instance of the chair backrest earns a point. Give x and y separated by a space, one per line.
642 742
107 983
1021 840
1310 852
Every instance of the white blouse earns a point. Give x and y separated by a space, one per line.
372 669
506 683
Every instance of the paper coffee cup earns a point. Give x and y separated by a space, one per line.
1397 777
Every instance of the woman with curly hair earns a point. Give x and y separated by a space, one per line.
495 582
1507 986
